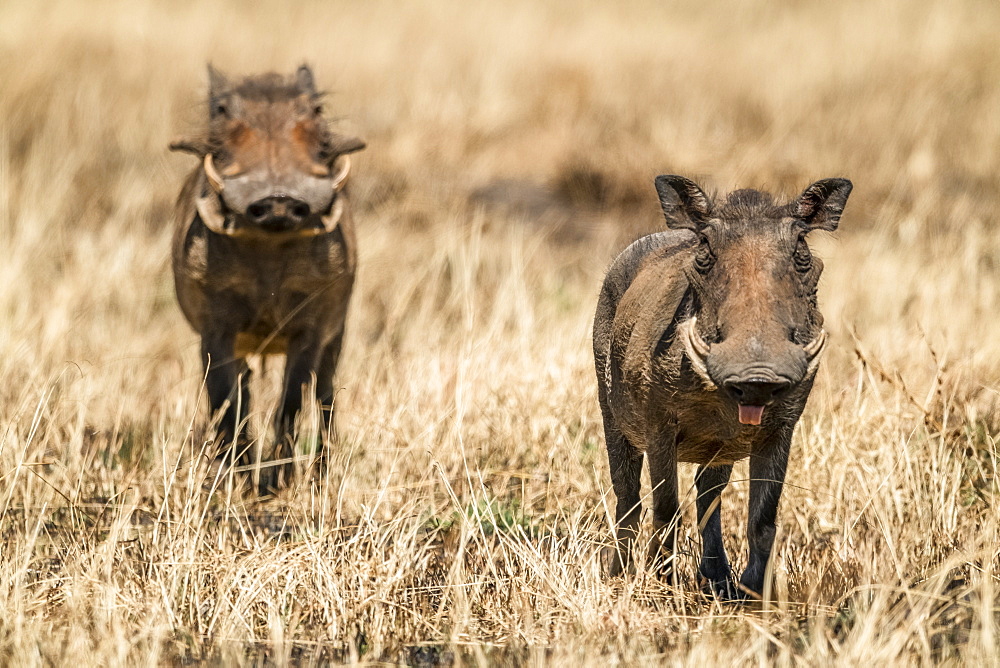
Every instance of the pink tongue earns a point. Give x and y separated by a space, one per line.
751 414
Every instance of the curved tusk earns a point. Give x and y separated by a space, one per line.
699 343
214 179
696 349
816 346
813 350
210 211
332 219
340 178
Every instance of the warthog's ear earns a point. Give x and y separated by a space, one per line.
218 86
342 144
190 145
821 204
304 80
685 205
217 81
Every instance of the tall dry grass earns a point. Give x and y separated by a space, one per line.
511 153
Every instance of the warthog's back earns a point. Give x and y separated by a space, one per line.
638 302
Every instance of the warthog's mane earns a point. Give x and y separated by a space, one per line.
269 87
748 204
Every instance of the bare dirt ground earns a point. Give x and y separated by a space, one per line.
512 148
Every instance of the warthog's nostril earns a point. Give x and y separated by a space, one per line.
300 210
258 211
756 391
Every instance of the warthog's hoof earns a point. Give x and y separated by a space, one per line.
724 589
615 562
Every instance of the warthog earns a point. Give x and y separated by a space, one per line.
264 252
707 338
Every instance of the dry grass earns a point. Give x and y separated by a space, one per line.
512 150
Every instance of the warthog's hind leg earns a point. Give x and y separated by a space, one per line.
662 456
626 467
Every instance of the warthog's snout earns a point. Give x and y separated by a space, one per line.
758 384
279 213
755 391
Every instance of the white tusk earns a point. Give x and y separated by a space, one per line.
816 346
699 343
214 179
211 215
696 349
813 350
332 219
340 178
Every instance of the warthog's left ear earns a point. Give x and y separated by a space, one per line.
342 144
685 205
822 203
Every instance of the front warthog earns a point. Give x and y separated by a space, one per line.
264 252
707 338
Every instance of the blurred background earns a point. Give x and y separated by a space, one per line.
511 152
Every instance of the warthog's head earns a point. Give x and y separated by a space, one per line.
757 333
272 163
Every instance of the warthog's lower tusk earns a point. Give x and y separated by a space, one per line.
816 346
332 219
214 179
210 210
340 178
699 343
696 349
813 351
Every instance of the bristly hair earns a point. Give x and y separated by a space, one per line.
270 86
748 204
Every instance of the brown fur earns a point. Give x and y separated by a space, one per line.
266 291
742 269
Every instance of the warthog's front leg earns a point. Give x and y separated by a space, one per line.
714 566
227 379
324 380
767 475
301 368
662 456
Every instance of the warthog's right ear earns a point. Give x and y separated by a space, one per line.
218 86
685 205
821 204
188 145
342 144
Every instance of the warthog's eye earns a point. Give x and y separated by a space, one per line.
704 260
802 258
318 109
220 110
325 152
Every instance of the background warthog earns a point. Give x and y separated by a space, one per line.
706 341
264 251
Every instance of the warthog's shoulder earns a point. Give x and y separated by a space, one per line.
650 250
638 303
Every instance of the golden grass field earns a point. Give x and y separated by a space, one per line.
512 148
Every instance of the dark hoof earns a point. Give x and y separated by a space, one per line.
273 479
724 589
615 564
